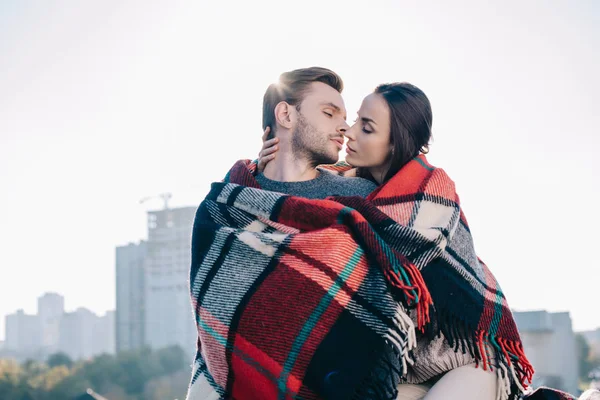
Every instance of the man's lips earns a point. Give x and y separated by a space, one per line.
339 142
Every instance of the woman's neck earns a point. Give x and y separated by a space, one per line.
379 173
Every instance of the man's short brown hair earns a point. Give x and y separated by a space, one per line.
292 88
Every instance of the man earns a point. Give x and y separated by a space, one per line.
307 116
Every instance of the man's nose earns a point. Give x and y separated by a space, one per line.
343 127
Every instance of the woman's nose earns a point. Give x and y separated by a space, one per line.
349 133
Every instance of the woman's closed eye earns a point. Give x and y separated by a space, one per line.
364 127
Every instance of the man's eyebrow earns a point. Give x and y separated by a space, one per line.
334 106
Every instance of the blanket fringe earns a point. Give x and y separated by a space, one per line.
409 280
512 367
506 356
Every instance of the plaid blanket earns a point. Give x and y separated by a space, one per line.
544 393
310 299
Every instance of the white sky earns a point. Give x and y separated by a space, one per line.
103 103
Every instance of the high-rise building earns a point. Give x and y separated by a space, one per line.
168 314
22 333
130 312
78 334
549 343
51 307
104 337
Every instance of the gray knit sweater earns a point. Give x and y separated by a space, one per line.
324 185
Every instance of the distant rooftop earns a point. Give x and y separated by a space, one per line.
533 321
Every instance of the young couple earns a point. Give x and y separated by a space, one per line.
318 281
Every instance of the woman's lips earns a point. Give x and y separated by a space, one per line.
350 149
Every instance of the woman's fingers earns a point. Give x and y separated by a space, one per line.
268 150
269 144
266 133
263 161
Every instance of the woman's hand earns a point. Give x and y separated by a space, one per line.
267 153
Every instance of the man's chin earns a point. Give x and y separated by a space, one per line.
324 158
333 159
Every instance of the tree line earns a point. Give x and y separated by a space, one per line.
142 374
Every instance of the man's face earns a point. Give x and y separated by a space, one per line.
319 125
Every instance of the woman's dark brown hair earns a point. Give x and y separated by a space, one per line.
410 124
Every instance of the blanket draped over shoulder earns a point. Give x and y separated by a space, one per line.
312 299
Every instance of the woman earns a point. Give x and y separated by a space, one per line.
392 128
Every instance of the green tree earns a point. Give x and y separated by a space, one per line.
58 359
138 367
47 380
10 371
172 359
68 388
102 371
583 356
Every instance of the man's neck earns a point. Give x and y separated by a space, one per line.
286 168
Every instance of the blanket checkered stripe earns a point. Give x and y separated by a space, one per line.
308 299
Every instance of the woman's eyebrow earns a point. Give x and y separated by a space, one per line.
365 119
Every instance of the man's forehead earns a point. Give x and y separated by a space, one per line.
323 94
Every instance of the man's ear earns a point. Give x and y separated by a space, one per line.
284 114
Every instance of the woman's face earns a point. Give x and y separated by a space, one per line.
369 144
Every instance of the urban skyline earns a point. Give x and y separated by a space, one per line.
152 301
80 333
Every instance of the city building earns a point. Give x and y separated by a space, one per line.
168 314
130 275
22 333
77 331
79 334
51 307
104 341
550 346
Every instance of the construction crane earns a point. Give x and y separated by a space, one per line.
165 196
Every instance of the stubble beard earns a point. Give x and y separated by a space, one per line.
311 145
